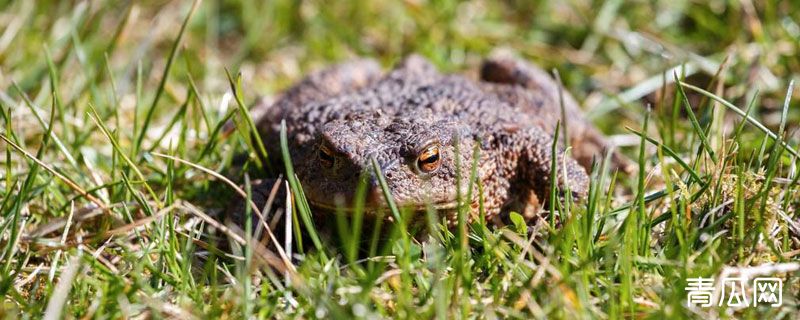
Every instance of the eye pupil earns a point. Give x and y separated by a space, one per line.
431 159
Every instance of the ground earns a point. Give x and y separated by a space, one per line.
125 125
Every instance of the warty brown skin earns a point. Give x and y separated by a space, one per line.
340 118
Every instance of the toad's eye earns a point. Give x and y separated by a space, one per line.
326 156
429 159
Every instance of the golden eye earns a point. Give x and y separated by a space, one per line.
429 159
326 157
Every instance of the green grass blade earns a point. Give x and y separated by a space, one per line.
738 111
163 82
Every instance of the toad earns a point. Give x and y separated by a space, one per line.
425 130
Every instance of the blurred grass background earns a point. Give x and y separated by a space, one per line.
601 48
75 57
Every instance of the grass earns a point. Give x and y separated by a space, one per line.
115 145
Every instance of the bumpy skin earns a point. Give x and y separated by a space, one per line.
359 114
